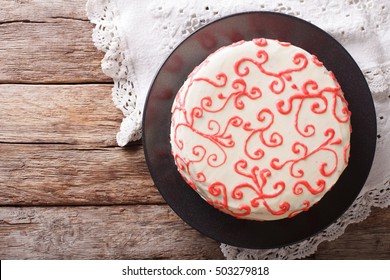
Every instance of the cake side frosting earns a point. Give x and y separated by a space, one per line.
261 130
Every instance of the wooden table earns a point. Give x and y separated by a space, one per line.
66 190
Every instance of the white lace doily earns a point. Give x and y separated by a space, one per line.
137 36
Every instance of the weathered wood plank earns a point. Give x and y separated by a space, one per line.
369 239
41 50
147 231
73 175
117 232
73 114
41 10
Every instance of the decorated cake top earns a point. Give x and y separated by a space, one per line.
261 130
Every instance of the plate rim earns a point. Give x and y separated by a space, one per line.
302 21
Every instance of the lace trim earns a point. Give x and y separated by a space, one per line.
189 16
117 65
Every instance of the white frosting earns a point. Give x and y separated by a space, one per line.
218 158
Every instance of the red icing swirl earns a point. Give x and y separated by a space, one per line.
255 139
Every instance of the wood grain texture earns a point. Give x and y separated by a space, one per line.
71 114
66 190
369 239
117 232
47 42
73 175
41 10
146 232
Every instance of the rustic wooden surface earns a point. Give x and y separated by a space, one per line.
66 190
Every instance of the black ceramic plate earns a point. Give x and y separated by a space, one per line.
157 116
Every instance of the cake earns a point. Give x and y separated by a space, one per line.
261 130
